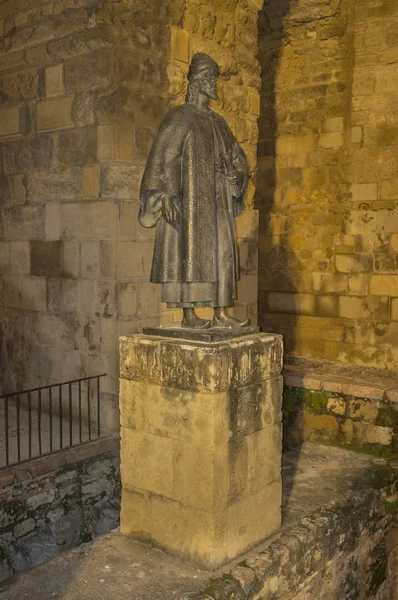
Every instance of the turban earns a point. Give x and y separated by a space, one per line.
201 62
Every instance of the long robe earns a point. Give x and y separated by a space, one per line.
197 264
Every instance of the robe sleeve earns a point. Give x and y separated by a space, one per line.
162 175
241 171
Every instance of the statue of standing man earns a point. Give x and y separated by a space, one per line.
193 186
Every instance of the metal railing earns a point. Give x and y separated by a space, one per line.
47 419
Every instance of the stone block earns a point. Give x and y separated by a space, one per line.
250 360
88 221
356 135
23 222
352 263
127 222
90 260
331 140
133 260
91 181
12 121
264 448
18 189
180 45
87 71
152 457
70 295
189 531
364 192
193 417
247 289
208 440
362 409
200 477
26 293
254 103
394 309
248 257
127 299
315 178
115 142
108 259
55 80
55 114
148 299
135 515
303 304
330 283
121 181
4 257
45 258
291 144
264 509
247 225
389 190
358 285
61 185
337 406
322 423
333 124
374 434
326 305
20 263
52 221
384 285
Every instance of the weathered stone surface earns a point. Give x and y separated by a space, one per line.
11 120
45 258
326 184
328 492
55 114
202 425
26 293
54 80
54 507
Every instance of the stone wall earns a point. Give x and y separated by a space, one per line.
338 540
327 186
83 88
82 92
57 502
357 410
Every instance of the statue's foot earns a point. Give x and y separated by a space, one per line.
192 321
224 320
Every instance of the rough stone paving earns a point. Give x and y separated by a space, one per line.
338 541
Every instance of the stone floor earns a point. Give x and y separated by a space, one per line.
113 567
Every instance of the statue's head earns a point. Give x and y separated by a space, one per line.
202 76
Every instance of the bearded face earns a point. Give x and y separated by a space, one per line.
207 83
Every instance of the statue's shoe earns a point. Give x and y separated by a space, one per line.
229 322
196 323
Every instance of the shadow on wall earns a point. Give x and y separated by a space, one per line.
276 259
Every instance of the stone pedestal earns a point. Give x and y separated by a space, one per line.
201 444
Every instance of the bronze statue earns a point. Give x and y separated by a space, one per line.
194 184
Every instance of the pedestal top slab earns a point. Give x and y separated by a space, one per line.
212 335
201 365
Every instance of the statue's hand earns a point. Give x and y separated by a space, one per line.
170 212
235 178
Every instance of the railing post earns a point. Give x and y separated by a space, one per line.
98 407
46 445
6 429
